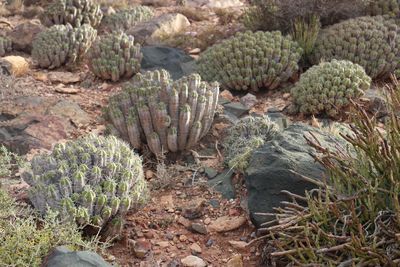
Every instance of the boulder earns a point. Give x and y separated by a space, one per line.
23 34
71 111
63 257
223 184
171 59
215 3
151 32
271 166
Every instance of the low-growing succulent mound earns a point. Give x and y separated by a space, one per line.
127 18
244 137
74 12
167 115
92 180
251 61
329 86
5 45
384 7
115 56
62 45
371 42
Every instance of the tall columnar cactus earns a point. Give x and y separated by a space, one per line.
329 86
62 45
92 180
251 61
371 42
127 18
5 45
115 56
74 12
168 115
384 7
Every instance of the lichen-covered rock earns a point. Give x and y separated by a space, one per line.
244 137
167 115
93 180
5 46
251 61
329 86
115 56
74 12
371 42
127 18
384 7
62 45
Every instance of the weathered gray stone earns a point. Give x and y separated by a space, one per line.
171 59
63 257
151 32
271 166
237 109
70 110
223 184
23 34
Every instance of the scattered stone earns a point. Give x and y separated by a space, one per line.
193 261
70 110
226 94
377 103
238 244
248 100
151 32
270 168
149 234
195 51
235 261
23 34
223 184
286 96
214 203
14 65
195 248
194 209
63 257
66 90
163 244
210 172
199 228
207 221
227 223
183 221
167 202
64 77
209 243
183 238
174 60
141 248
235 108
149 174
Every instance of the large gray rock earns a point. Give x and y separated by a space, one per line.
23 34
63 257
151 32
270 167
174 60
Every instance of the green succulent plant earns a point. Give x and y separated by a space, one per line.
384 7
74 12
251 61
5 46
115 56
93 180
167 115
371 42
127 18
244 137
329 86
62 45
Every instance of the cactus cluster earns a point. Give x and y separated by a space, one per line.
5 45
251 61
74 12
371 42
114 56
329 86
92 180
244 137
384 7
62 45
169 115
127 18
